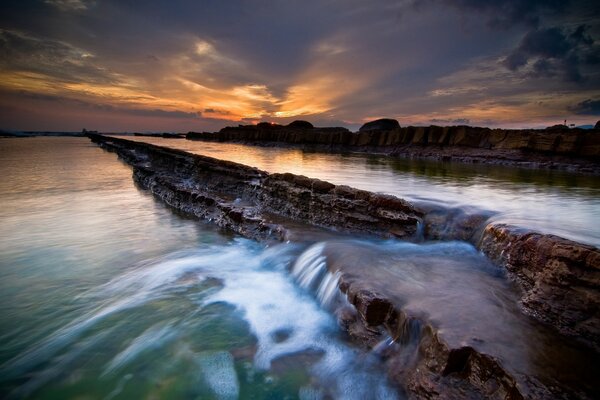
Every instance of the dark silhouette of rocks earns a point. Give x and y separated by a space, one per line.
558 278
383 124
557 127
556 148
300 125
597 126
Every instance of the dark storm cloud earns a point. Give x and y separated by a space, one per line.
503 13
556 51
587 107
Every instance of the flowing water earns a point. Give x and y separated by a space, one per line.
558 202
107 294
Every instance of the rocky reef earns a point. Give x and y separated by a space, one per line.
559 279
255 203
563 148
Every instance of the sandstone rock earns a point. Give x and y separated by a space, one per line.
383 124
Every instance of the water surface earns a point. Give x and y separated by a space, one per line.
107 294
557 202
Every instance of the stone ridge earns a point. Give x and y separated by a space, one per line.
560 278
241 198
564 148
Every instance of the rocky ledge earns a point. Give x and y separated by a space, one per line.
559 278
554 147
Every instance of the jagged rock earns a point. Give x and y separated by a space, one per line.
383 124
300 125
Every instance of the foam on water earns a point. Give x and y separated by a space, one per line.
257 283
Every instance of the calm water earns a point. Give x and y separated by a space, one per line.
557 202
107 294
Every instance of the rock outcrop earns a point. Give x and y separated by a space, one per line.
383 124
300 125
574 149
251 202
560 278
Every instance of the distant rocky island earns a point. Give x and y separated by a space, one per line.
556 147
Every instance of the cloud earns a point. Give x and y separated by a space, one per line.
61 61
586 107
555 52
502 13
70 5
338 61
458 121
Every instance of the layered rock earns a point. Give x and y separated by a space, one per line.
250 201
495 353
560 278
564 148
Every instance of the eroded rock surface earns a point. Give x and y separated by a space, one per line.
572 149
250 201
560 278
447 327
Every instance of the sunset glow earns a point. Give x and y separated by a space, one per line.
203 66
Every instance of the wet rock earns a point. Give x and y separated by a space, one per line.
560 279
383 124
243 198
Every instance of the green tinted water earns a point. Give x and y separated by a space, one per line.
106 294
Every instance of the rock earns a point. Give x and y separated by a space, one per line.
560 278
557 127
556 147
597 126
206 187
383 124
300 125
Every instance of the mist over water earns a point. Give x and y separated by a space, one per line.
557 202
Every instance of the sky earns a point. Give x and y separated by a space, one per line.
185 65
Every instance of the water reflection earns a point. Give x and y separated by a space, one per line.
551 201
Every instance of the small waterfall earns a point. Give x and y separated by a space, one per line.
310 271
